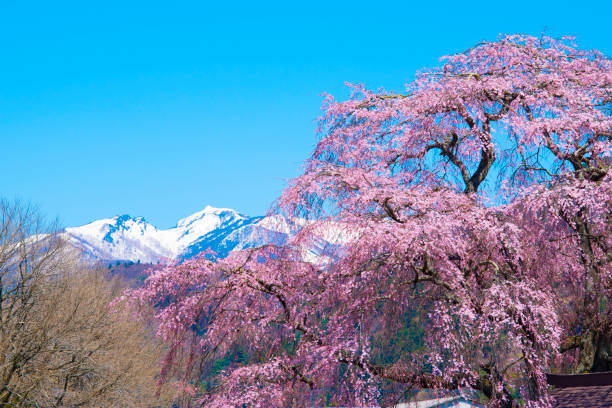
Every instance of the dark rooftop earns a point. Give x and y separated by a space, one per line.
599 396
579 380
581 390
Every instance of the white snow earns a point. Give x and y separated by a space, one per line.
219 229
134 239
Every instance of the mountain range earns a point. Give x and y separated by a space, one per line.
134 239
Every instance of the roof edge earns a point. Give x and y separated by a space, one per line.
579 380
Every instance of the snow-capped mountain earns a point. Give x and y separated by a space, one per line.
218 229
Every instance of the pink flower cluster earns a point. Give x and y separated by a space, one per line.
480 199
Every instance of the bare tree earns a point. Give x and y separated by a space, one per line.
61 343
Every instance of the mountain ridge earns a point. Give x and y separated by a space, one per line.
126 238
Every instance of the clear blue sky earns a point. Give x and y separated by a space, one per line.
159 108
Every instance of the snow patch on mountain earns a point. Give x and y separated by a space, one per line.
218 229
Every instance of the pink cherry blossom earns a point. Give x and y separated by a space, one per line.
479 200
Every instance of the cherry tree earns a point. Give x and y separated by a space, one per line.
478 201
